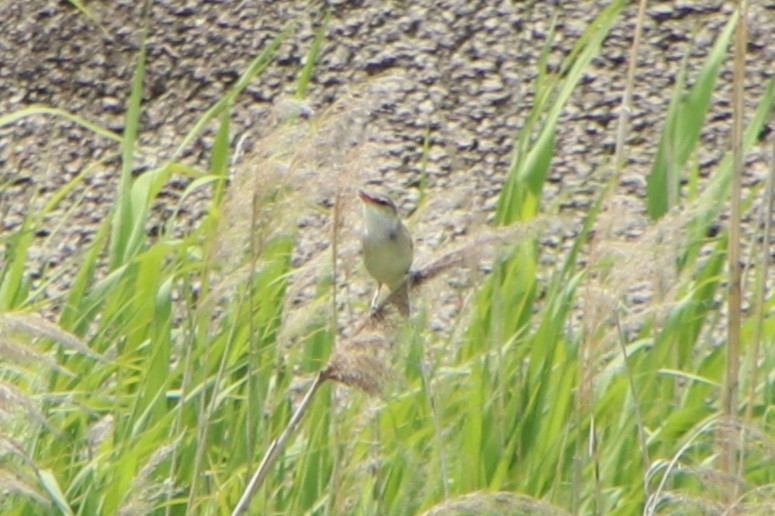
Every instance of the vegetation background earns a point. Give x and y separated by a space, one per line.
622 371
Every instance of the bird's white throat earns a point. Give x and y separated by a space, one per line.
379 224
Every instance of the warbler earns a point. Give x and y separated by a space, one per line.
388 250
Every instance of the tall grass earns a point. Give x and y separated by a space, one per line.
179 361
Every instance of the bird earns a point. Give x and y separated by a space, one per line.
388 250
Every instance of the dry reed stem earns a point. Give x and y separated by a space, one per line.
354 364
275 448
729 454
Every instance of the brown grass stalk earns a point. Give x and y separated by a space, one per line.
729 455
276 447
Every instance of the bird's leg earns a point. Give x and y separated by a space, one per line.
375 298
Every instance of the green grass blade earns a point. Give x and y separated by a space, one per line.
13 287
312 57
685 120
522 190
254 69
125 219
33 110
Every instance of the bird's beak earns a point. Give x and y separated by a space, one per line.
366 197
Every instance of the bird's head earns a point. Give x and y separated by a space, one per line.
379 213
379 203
